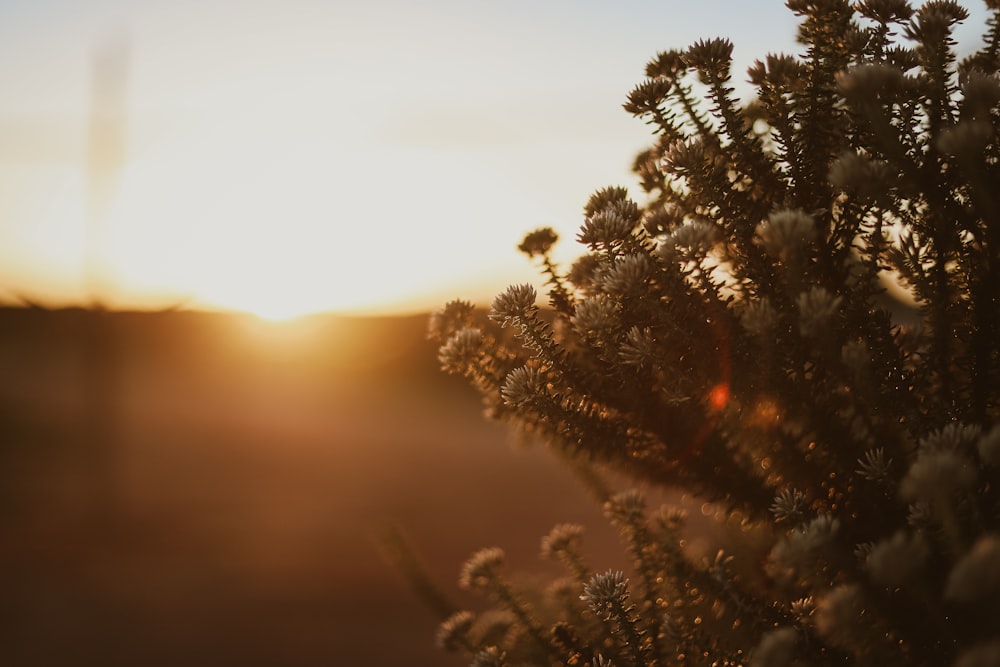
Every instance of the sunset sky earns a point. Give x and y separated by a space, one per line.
297 156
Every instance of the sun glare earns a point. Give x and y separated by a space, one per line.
291 223
234 222
280 311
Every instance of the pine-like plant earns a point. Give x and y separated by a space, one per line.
733 337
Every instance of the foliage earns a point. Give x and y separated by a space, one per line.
733 337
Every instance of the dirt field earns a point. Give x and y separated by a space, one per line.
202 489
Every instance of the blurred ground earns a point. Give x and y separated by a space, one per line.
202 489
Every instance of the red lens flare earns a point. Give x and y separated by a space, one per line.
718 397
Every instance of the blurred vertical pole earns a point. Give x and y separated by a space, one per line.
105 157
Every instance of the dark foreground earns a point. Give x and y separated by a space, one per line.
201 489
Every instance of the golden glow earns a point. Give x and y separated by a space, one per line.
291 225
280 311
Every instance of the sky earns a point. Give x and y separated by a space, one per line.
298 156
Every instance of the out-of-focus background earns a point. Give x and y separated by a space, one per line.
222 226
211 489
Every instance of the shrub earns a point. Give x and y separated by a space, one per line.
735 336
